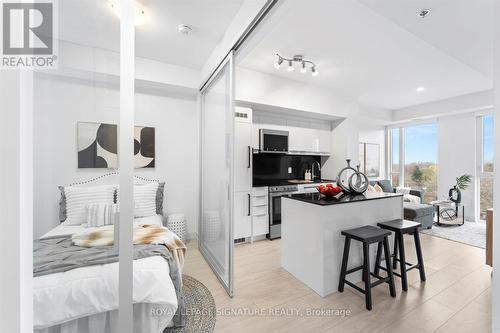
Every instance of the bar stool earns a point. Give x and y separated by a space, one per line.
366 235
400 228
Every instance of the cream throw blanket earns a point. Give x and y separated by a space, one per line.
143 234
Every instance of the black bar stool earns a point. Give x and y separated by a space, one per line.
400 228
367 235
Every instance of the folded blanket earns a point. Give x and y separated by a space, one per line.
143 234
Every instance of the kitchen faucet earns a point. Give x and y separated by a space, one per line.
313 176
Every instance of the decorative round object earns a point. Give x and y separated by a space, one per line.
358 182
344 175
455 195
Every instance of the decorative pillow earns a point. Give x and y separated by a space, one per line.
62 205
79 197
386 185
371 189
404 190
99 215
146 199
411 198
378 188
159 198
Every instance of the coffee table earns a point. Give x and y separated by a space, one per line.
448 212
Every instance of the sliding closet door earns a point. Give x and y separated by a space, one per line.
216 222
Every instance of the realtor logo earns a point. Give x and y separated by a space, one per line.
28 34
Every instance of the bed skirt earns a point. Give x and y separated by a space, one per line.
148 318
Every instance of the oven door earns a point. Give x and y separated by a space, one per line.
275 215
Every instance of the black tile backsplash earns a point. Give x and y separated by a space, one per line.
272 168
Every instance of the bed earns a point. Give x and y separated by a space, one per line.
85 299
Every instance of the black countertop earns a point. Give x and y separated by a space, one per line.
278 182
319 199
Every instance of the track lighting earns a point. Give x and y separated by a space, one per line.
314 71
303 69
277 64
297 59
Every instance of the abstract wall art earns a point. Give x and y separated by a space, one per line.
98 146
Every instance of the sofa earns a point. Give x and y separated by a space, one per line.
421 213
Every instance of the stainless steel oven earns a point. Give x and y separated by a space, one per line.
273 141
275 194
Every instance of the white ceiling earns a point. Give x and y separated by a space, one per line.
93 23
379 51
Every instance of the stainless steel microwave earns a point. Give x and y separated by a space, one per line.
273 141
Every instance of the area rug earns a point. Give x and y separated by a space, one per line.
200 307
471 233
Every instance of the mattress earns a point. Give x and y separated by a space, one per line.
89 295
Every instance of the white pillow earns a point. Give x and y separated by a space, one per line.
99 215
79 197
144 199
404 190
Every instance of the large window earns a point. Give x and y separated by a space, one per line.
485 164
415 148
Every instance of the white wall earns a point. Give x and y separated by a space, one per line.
457 156
61 102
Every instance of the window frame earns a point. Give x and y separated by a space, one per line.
480 173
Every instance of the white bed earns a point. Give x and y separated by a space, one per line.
85 299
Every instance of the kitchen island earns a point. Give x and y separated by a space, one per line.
311 243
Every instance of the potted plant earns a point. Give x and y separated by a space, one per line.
462 183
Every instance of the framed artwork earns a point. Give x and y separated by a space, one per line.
369 156
97 145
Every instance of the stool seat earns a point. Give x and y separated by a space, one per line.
405 226
366 234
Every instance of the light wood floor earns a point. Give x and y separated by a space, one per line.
455 298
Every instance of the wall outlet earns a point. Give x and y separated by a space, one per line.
289 169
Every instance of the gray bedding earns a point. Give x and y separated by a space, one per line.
57 255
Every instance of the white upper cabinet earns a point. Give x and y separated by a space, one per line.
322 137
309 136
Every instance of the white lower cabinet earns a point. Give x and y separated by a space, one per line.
260 211
242 215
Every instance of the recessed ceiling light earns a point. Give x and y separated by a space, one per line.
420 89
184 29
141 16
423 13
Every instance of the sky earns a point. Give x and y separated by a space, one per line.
421 142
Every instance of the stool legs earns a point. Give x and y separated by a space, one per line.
343 269
366 276
395 252
387 254
420 258
377 260
402 260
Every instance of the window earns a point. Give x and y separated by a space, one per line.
485 166
414 158
395 156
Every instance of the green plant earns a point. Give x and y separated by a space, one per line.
463 182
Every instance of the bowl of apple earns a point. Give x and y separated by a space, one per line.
329 190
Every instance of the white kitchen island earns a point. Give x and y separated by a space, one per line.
311 243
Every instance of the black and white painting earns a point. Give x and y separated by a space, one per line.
98 146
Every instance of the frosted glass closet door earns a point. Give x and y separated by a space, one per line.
216 240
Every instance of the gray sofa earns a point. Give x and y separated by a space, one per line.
422 213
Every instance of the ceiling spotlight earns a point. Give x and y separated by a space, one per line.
420 89
423 13
140 15
303 69
314 71
290 66
277 64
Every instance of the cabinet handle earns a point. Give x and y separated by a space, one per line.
249 204
249 157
